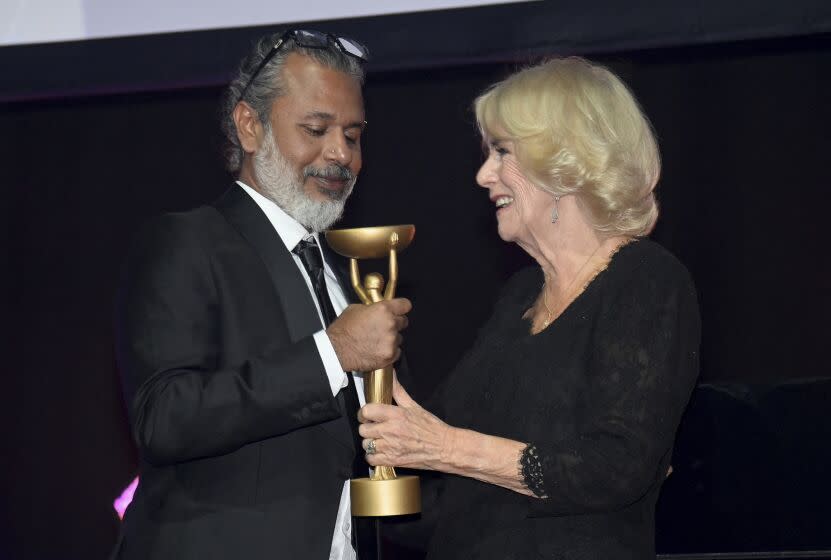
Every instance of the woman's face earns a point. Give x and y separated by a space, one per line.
521 207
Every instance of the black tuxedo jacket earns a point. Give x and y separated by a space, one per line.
244 450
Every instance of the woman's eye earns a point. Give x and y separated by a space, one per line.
501 151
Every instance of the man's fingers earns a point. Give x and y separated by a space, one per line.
399 306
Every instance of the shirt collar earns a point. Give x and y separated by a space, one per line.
289 229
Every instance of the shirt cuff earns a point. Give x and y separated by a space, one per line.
335 373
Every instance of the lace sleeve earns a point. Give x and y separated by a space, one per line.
531 471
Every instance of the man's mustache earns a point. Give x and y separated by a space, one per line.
334 171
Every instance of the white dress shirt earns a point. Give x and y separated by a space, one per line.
291 233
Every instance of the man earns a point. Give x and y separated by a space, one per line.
239 394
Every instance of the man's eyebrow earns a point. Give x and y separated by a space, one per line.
324 116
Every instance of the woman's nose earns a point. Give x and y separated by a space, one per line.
486 175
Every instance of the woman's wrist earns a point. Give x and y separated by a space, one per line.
448 452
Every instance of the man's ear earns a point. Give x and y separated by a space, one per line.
249 127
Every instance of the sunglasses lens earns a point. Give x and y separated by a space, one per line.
314 39
353 47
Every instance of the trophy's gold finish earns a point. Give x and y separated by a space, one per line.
384 493
383 498
369 242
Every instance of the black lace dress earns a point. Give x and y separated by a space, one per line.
598 396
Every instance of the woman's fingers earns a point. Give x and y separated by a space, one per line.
374 452
375 412
400 395
369 430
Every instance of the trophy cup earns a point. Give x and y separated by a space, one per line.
383 494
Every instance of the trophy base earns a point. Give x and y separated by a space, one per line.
384 498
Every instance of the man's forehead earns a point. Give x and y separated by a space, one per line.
319 91
303 72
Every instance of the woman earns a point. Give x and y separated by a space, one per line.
559 423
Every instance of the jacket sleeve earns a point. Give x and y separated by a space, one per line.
185 400
642 371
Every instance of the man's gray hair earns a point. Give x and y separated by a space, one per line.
268 85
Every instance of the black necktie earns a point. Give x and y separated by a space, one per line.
309 254
364 532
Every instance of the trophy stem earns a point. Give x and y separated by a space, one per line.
378 386
378 389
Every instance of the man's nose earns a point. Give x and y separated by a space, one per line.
338 150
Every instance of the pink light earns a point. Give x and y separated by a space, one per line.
120 504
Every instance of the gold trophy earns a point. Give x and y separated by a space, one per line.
383 494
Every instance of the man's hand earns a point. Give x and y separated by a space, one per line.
367 337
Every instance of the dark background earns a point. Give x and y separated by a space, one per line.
95 137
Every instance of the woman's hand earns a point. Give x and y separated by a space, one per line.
409 436
405 435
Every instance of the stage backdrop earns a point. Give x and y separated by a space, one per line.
744 198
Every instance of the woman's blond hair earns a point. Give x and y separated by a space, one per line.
578 130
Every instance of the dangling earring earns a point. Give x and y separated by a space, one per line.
554 214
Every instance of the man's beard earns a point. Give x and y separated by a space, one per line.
277 180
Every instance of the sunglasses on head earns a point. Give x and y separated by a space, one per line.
311 39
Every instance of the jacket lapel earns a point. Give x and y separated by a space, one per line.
300 312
